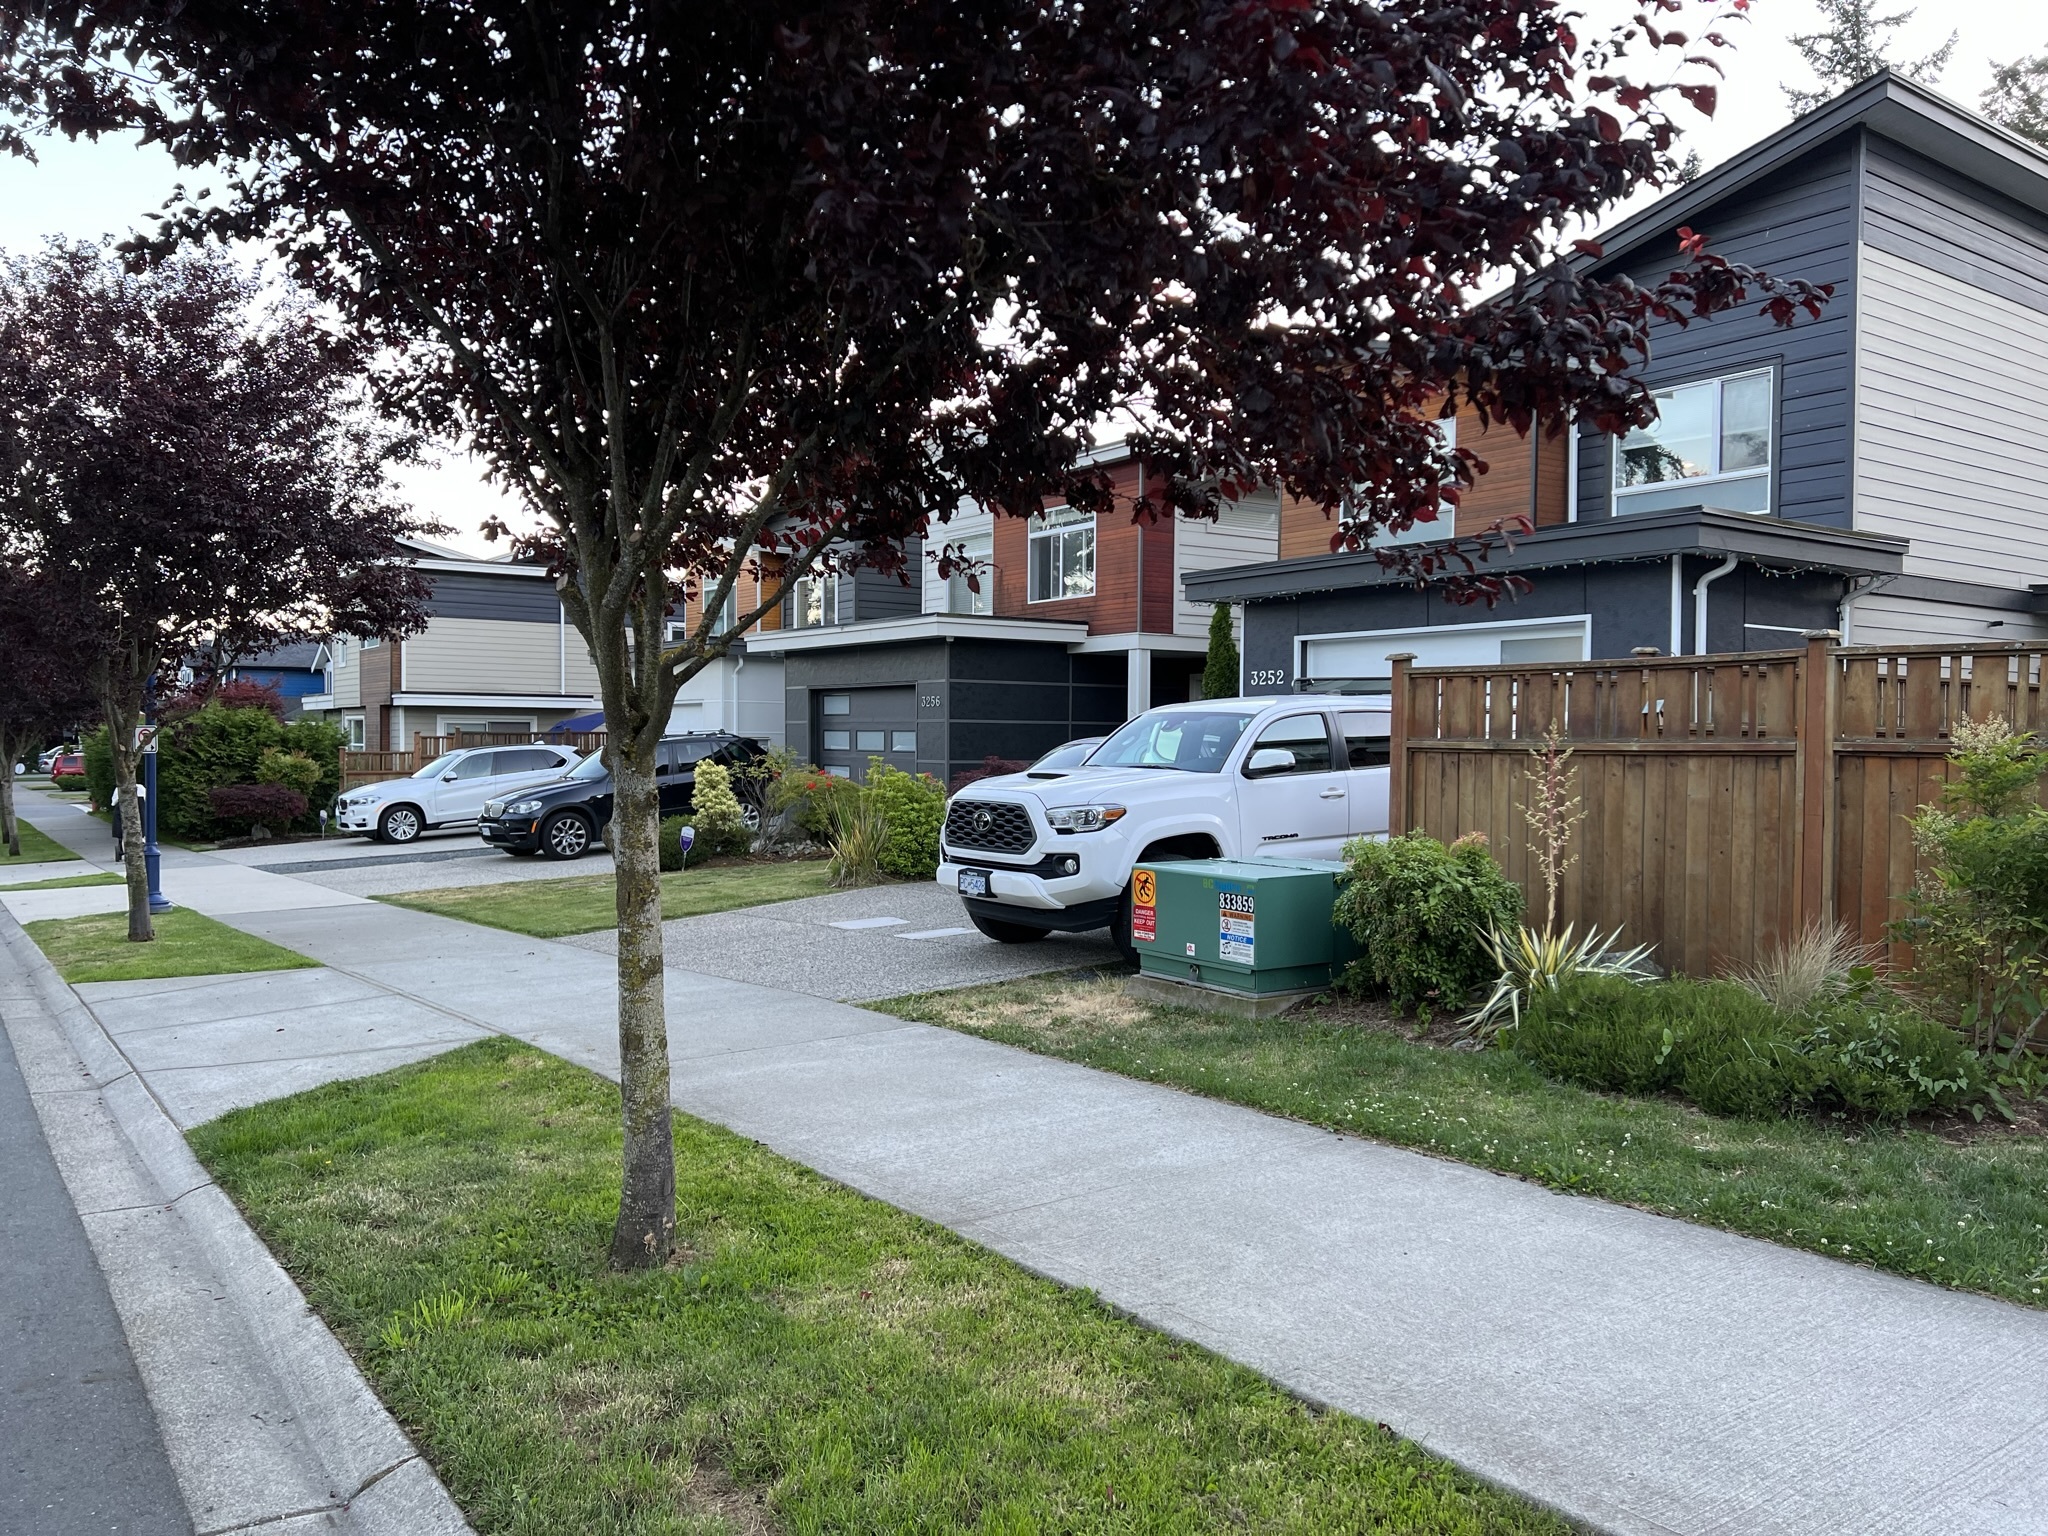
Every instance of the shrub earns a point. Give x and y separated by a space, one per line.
1220 666
68 780
320 741
1533 962
99 768
1732 1053
992 767
1422 913
809 797
721 829
913 807
670 845
294 770
246 807
211 748
1820 963
860 832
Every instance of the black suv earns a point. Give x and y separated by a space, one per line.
561 820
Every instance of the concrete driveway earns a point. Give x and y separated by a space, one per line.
856 946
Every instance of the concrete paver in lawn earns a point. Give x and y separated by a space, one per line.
855 946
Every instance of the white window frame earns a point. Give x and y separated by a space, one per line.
824 584
1621 495
979 548
1055 526
358 728
1446 524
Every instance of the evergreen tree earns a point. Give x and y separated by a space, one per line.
1219 673
2017 98
1851 47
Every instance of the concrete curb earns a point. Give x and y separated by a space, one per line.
265 1418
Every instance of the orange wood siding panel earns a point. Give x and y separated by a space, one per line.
1113 609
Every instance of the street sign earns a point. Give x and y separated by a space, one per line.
145 739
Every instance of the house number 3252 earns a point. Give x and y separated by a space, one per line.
1264 677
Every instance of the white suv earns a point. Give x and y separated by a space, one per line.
1292 777
449 790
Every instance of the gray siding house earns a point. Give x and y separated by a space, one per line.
1882 470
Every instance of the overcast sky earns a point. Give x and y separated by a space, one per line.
84 191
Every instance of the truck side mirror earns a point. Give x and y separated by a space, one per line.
1268 761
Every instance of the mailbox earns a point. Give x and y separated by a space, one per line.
1249 926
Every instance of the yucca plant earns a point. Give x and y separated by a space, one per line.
1532 962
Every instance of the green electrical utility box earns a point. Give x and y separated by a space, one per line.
1254 927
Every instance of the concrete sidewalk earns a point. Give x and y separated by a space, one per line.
1641 1374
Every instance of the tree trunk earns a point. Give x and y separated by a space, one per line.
128 806
645 1232
10 824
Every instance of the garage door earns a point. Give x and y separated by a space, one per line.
1333 658
861 723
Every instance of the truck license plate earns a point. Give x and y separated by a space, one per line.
973 882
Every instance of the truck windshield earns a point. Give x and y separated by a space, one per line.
1193 740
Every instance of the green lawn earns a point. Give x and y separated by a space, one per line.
64 882
96 948
1966 1213
548 909
813 1361
37 847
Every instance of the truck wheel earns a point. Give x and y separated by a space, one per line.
1120 930
1006 933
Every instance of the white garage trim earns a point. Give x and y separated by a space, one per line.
1362 653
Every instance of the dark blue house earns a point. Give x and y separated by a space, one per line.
1882 470
295 671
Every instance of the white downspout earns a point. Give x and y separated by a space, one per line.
1571 472
1699 603
1677 606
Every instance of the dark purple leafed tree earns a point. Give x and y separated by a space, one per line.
710 280
197 468
46 657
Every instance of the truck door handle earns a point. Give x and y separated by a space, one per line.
1333 793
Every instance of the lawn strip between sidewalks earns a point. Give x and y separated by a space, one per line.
63 882
1970 1214
812 1360
553 909
96 948
37 847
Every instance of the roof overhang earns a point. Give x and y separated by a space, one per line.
1889 105
575 701
914 628
1769 542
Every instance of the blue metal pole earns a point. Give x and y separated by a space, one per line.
151 859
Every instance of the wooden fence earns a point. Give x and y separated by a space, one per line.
1729 800
370 767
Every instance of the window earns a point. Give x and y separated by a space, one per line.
358 735
837 704
1710 445
1195 740
1062 555
1446 522
527 760
903 741
373 642
980 549
839 741
867 741
478 765
1306 736
1366 743
814 603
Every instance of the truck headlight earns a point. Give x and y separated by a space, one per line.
1083 818
522 808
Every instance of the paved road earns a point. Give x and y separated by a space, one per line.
1644 1375
79 1452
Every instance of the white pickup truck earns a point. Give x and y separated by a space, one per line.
1293 777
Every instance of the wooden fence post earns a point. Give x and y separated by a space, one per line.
1816 758
1397 748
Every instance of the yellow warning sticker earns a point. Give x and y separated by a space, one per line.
1144 888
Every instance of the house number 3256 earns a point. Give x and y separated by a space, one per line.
1264 677
929 701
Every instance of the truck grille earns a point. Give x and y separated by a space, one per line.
988 825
